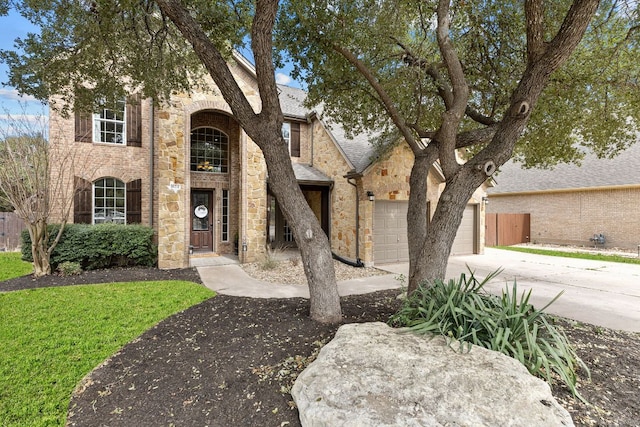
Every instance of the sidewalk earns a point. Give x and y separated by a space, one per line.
601 293
232 280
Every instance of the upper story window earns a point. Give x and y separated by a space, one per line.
119 124
109 201
209 150
109 124
286 134
291 135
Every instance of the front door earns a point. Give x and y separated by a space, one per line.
202 220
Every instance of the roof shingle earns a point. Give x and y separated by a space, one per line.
622 170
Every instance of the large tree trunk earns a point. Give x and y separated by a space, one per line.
430 256
265 129
39 252
311 239
418 215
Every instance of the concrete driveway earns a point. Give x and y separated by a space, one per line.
597 292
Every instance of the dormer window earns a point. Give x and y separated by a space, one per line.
109 124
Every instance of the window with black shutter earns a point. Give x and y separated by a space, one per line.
134 202
134 120
295 140
82 201
109 124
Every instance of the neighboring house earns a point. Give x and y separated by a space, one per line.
570 204
189 170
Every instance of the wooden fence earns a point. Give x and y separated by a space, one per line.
507 229
10 229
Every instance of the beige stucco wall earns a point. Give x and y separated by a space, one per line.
573 217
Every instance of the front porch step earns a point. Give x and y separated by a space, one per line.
212 259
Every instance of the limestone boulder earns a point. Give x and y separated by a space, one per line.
374 375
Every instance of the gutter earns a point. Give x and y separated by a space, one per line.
358 263
151 160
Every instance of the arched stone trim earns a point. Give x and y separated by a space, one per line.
220 106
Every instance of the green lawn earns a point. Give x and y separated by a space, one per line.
565 254
51 338
12 266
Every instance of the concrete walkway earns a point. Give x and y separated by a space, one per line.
601 293
231 279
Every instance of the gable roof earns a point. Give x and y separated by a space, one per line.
358 150
622 170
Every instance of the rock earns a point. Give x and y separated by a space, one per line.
374 375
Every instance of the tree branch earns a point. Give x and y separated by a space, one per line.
210 56
262 44
385 99
534 14
571 32
446 135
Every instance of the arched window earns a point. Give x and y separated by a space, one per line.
109 201
209 150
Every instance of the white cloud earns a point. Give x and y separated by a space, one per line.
282 79
13 95
15 124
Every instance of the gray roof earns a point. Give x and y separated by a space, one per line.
358 149
292 102
622 170
310 175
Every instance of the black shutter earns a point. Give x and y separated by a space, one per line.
83 126
134 120
295 139
134 202
82 201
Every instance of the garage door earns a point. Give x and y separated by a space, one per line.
465 241
390 232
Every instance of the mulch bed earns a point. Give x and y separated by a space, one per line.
231 361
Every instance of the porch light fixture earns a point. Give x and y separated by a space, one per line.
371 196
485 200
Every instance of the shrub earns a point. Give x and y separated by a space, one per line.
461 310
69 268
271 258
99 246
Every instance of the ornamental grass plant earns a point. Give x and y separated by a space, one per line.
462 311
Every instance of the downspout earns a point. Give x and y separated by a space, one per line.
151 161
312 132
358 262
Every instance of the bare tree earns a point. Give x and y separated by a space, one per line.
27 158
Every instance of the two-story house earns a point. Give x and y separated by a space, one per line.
188 169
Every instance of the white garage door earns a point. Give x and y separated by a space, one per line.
464 242
390 232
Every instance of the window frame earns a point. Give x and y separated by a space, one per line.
101 118
224 215
286 135
115 198
204 164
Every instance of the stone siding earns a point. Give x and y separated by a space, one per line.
329 160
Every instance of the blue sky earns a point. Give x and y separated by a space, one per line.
18 108
14 26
